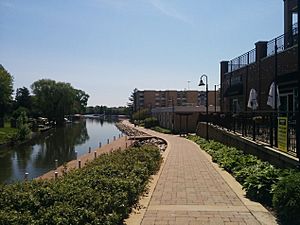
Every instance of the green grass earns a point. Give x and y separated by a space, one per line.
7 133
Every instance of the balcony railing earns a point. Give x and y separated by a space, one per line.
282 42
242 61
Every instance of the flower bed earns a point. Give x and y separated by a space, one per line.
263 182
103 192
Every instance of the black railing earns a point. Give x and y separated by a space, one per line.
257 126
242 61
283 42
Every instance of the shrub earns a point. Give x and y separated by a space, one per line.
103 192
258 184
286 199
23 132
162 130
151 122
261 180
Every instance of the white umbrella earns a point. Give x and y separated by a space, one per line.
252 102
271 98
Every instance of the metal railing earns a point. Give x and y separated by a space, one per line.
283 42
257 126
242 61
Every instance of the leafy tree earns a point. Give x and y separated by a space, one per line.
81 99
6 90
23 128
57 99
23 98
90 110
132 100
141 114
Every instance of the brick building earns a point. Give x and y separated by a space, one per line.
270 61
158 99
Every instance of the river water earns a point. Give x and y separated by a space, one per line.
39 156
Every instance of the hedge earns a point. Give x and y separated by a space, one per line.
103 192
263 182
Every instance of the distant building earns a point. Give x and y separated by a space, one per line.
150 99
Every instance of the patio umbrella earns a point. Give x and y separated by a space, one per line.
252 102
271 98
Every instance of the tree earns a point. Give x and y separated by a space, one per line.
132 104
81 99
6 90
132 100
57 99
23 98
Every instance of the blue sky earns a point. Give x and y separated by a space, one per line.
109 47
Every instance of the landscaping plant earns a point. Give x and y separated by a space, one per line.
103 192
263 182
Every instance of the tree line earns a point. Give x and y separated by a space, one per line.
49 98
122 110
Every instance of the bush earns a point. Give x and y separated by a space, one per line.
23 132
258 184
103 192
286 199
151 122
162 130
262 182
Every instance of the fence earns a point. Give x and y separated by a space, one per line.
242 61
282 42
257 126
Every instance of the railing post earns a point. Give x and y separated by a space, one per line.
271 130
253 127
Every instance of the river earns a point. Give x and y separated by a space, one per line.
39 156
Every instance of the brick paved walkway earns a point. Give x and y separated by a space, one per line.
192 190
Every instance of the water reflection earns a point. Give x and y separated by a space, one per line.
60 144
39 156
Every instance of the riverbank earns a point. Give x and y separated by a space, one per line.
34 136
129 131
118 144
121 143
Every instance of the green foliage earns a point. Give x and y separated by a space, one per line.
258 185
150 122
7 134
24 131
141 114
261 180
103 192
162 130
57 99
23 99
6 90
286 199
80 103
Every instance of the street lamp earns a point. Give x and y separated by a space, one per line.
201 83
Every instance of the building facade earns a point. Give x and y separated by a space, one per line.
270 61
150 99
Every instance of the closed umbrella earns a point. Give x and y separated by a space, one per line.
252 102
271 98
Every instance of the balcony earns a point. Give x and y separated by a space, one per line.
282 42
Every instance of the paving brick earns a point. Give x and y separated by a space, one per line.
190 191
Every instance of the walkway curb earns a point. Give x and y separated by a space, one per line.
169 204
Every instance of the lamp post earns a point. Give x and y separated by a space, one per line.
216 85
201 83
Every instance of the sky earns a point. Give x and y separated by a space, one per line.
109 47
